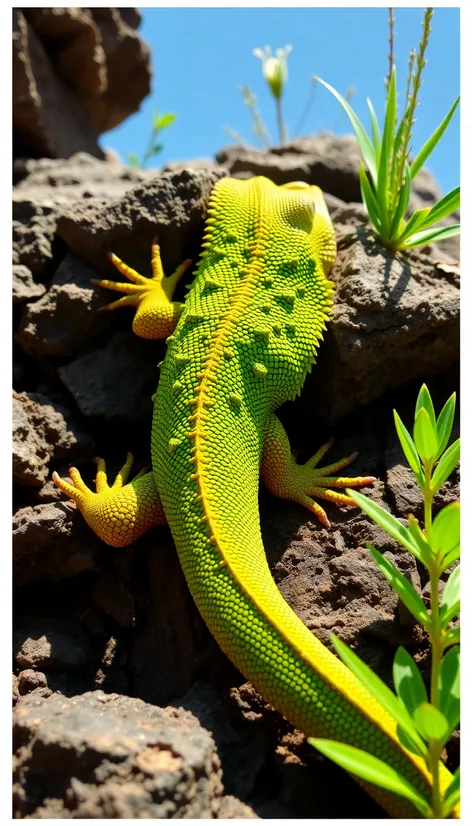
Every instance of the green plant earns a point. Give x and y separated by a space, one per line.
274 69
386 184
424 724
159 122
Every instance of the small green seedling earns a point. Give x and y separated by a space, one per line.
159 122
386 172
424 724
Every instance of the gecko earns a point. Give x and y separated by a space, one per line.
239 346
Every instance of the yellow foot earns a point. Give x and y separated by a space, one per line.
118 514
313 481
156 314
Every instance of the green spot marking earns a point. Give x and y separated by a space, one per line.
211 284
288 297
259 370
263 334
180 359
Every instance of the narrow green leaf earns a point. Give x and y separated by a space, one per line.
450 602
363 140
371 769
450 558
383 181
133 160
431 723
453 793
445 422
424 400
409 448
445 530
424 434
450 203
402 586
408 681
449 688
446 465
402 204
433 141
414 222
427 236
425 553
383 518
368 199
452 637
163 121
399 134
376 137
380 691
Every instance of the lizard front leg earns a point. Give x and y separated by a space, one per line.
301 483
119 514
156 313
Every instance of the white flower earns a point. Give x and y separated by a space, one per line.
274 69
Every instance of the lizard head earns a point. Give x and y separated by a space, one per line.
307 211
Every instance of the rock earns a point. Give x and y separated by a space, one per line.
48 185
43 430
58 182
231 807
107 756
326 160
242 748
24 288
66 319
194 165
117 381
33 233
171 206
329 161
15 690
77 73
171 643
52 542
389 310
50 643
29 680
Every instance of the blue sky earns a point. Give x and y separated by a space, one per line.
201 56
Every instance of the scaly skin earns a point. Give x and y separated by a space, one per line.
245 339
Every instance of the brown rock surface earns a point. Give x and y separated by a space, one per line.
140 632
103 755
77 73
43 430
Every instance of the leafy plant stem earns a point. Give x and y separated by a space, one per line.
428 500
413 101
436 798
391 58
280 120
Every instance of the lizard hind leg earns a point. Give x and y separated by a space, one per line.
304 483
156 313
119 514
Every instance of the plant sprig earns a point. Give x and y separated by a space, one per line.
424 723
159 122
386 173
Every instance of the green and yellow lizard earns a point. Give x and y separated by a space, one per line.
240 346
